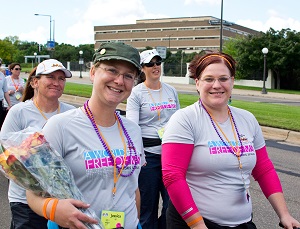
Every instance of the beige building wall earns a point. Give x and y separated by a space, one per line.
191 34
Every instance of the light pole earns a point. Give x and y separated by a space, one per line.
80 62
169 41
35 58
221 29
181 62
265 52
47 15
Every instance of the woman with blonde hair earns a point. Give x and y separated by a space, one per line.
44 86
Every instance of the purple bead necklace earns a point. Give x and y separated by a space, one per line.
239 152
131 147
235 127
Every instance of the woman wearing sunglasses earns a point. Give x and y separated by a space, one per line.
15 84
150 105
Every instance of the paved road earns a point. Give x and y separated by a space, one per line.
286 159
266 100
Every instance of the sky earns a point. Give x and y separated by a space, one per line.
74 20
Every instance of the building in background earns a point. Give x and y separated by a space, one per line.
191 34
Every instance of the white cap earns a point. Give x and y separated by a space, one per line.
147 55
52 65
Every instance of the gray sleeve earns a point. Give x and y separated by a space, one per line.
53 134
13 121
179 128
133 107
5 88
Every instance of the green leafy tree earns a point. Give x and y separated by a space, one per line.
284 49
7 51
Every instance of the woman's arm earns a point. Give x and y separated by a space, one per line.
133 108
265 173
138 201
7 98
279 205
174 167
66 214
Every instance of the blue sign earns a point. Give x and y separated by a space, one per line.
51 45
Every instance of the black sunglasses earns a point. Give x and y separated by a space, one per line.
18 69
151 64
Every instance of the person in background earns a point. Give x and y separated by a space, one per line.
150 105
7 71
44 86
3 71
15 85
210 150
4 96
103 149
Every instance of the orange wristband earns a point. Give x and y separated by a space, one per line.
45 207
195 221
52 214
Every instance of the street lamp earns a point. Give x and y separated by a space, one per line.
35 58
265 52
221 29
80 62
169 41
47 15
181 62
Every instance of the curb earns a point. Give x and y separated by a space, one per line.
288 136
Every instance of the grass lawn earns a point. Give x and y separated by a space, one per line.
272 115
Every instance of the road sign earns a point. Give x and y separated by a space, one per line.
50 45
162 50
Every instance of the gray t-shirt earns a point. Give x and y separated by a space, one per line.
3 86
72 135
213 174
19 117
152 109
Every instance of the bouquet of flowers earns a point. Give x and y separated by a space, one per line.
27 159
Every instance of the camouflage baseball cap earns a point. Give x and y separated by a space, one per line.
118 51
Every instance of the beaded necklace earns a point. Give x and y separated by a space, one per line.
131 147
42 113
235 150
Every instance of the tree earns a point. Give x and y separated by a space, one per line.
7 51
284 48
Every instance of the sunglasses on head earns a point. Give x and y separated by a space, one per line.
151 64
18 69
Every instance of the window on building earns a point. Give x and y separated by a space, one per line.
153 30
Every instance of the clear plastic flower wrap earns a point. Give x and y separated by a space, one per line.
27 159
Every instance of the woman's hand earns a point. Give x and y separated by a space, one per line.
288 222
67 215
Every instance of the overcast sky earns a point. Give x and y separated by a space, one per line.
74 20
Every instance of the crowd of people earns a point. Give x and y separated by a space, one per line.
198 160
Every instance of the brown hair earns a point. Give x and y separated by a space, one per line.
13 65
199 63
29 90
